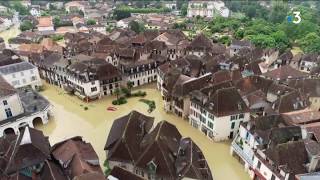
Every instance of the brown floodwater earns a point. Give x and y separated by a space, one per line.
70 119
13 31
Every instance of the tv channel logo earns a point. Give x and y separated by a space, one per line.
296 18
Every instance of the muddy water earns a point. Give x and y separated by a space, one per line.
70 119
10 33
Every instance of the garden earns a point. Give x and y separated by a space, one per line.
124 93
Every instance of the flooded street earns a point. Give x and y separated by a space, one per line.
70 119
13 31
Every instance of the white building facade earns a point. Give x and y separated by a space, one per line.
207 9
21 74
215 127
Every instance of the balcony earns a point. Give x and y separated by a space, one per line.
239 150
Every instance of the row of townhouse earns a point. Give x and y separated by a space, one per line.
75 68
87 77
279 147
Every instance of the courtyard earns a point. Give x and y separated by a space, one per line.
71 119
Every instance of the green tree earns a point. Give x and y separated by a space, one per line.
278 12
121 14
52 7
263 41
251 11
282 40
56 21
45 13
16 5
117 92
91 22
225 40
239 34
130 86
184 9
26 25
310 43
57 37
136 26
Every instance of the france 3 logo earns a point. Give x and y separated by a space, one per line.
296 18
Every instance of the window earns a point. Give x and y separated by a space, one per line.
233 117
14 75
24 81
94 89
273 177
15 83
21 73
211 116
232 125
8 112
5 102
92 82
210 124
259 165
202 119
241 116
33 78
31 71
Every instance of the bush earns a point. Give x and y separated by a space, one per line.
139 94
108 169
91 22
26 25
120 101
151 104
57 37
86 108
126 92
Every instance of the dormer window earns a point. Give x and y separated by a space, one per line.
152 167
239 107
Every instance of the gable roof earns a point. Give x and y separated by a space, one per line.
291 156
252 83
191 162
285 72
308 87
77 156
200 42
184 87
51 171
5 88
219 103
126 134
160 147
121 173
291 101
30 148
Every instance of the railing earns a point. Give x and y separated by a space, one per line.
240 152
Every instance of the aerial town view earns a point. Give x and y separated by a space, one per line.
159 90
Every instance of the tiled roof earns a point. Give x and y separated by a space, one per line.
79 155
5 88
219 103
285 72
120 173
17 67
45 21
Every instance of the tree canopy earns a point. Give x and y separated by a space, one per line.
136 26
26 25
